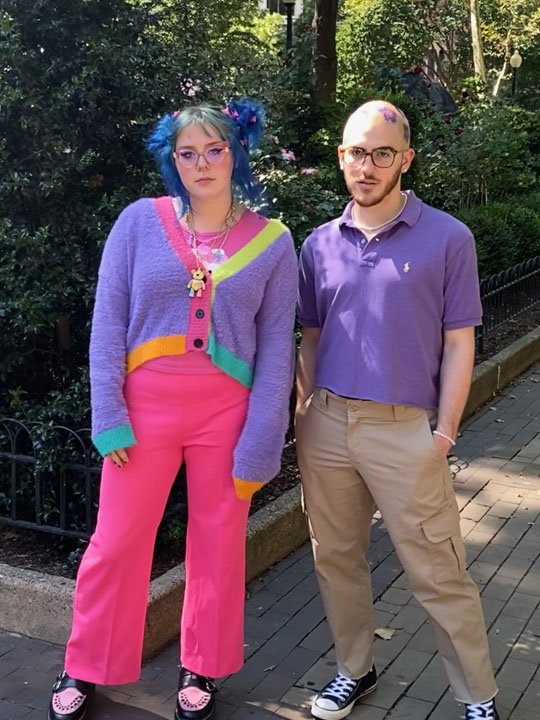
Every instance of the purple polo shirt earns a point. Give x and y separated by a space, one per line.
383 305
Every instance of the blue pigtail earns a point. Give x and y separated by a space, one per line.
248 116
160 144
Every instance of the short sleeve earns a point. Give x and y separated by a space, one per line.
307 297
462 304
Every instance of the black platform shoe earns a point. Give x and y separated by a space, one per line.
75 710
201 710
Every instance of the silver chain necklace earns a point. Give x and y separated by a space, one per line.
386 222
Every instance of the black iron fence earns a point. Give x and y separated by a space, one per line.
49 474
507 295
49 477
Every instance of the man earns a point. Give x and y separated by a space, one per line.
388 302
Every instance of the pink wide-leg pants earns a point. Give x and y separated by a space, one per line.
193 417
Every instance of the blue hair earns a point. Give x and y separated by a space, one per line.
240 124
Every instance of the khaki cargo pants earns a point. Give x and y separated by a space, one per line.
353 455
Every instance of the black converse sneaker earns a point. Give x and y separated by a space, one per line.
482 711
336 700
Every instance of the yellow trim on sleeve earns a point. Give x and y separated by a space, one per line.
167 345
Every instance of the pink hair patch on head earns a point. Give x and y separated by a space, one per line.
388 114
406 132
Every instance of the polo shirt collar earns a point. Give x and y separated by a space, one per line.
411 213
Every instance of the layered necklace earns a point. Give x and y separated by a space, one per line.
386 222
208 251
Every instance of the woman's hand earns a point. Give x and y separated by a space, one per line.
118 457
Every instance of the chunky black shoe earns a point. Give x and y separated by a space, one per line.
71 708
196 697
336 700
482 711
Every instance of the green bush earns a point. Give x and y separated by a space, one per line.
506 234
81 85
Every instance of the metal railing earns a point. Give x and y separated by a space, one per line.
49 474
54 491
508 294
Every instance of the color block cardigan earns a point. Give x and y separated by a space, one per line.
244 321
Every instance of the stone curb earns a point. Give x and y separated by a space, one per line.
491 376
39 605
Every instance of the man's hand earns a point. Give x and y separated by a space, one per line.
118 457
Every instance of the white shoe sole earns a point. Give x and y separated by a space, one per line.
323 714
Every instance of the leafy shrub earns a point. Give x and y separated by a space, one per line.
505 234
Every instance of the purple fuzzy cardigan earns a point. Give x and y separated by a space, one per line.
244 322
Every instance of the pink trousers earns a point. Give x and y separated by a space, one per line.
197 418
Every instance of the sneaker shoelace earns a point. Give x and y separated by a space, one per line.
339 688
481 711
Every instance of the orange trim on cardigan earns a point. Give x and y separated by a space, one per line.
167 345
245 489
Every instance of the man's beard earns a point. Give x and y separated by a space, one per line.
379 193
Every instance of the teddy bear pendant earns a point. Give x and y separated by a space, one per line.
197 283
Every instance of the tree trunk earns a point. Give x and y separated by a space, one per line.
502 72
476 37
324 24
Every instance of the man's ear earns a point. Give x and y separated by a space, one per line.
340 157
408 157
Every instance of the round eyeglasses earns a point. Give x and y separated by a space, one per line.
213 155
382 157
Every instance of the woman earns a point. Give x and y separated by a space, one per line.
190 359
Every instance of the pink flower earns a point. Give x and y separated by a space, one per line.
287 155
458 131
309 171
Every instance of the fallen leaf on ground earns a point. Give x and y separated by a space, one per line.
385 633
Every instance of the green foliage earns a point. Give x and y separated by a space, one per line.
377 33
304 198
485 152
506 233
77 100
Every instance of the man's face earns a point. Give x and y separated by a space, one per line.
366 132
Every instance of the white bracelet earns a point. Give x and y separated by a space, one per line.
446 437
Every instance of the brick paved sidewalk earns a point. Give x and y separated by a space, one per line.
288 646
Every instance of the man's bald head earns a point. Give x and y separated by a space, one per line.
381 117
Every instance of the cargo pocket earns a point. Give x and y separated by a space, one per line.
446 551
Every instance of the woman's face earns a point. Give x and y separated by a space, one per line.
204 162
